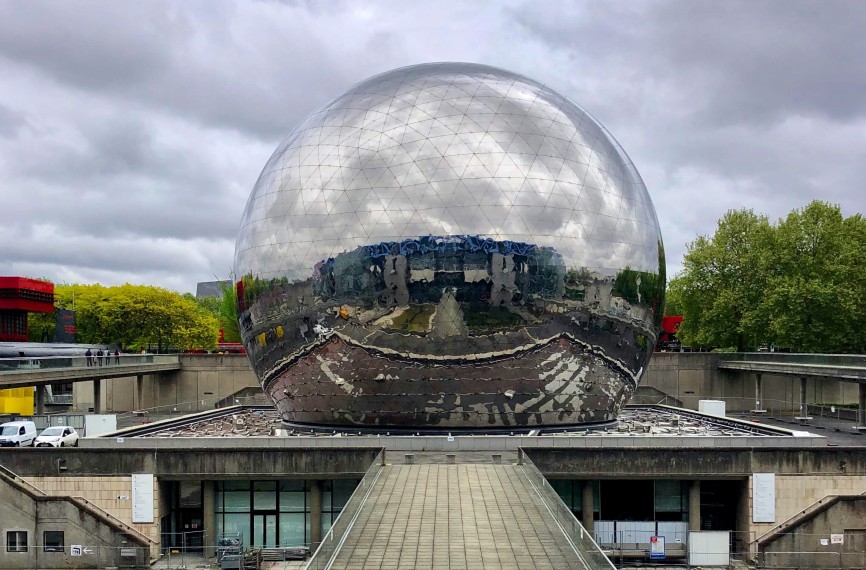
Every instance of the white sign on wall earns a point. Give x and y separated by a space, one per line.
142 498
763 497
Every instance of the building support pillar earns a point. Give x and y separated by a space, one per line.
695 506
39 400
208 515
587 505
759 395
315 514
97 396
861 425
804 407
139 392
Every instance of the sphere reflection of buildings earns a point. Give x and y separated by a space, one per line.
449 246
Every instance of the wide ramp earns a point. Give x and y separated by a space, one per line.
462 516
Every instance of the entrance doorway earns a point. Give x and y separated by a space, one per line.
265 530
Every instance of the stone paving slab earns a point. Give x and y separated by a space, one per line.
455 517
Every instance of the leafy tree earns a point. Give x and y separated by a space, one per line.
138 316
723 281
815 297
798 284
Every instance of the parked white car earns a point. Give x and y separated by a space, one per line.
17 434
58 436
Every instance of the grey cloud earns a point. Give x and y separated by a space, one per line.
734 61
141 127
11 122
196 63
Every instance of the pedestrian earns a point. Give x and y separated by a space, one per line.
99 357
89 357
116 356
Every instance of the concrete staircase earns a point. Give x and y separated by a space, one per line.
84 507
458 516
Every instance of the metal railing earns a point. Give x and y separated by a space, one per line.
584 545
812 559
37 363
852 360
333 539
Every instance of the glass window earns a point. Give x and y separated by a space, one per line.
669 496
563 488
265 495
52 541
236 501
343 489
235 496
326 500
190 494
16 541
292 496
327 522
292 529
292 501
237 522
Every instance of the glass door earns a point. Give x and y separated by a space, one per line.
265 530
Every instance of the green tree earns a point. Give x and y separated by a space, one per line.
815 297
720 289
798 284
138 316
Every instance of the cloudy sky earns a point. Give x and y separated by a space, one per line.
131 133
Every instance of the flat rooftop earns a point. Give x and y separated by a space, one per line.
637 426
635 421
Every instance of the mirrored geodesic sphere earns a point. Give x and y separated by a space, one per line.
449 246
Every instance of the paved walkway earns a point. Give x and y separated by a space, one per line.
454 517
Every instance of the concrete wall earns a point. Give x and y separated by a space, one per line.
22 510
111 494
689 376
197 463
802 477
794 493
203 380
845 516
694 376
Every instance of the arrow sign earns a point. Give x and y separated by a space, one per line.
86 550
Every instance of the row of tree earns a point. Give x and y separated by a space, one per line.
141 316
799 283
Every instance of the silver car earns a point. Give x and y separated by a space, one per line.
57 436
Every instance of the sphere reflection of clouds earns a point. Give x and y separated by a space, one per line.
449 150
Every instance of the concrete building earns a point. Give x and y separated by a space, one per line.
775 492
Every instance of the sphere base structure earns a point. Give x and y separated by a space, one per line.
555 384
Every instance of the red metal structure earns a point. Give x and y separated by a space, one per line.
668 335
19 296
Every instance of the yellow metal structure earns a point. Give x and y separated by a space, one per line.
17 401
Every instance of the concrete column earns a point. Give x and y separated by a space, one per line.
139 392
315 514
208 515
39 402
587 506
759 395
97 396
695 506
804 408
861 425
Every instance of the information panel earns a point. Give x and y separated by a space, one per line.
142 497
764 497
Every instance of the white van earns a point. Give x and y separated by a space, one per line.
17 434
